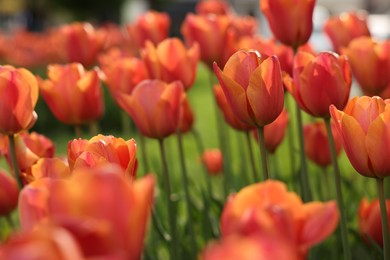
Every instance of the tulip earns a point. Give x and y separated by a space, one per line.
39 144
170 61
111 57
269 208
19 94
291 22
9 193
213 160
216 7
315 137
73 95
54 168
244 26
319 81
152 25
186 116
102 149
370 223
370 63
80 43
155 107
253 87
344 28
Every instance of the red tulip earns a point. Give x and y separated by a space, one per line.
291 21
217 7
170 61
213 160
364 128
186 116
244 26
19 94
155 107
253 87
344 28
320 81
370 221
9 193
73 95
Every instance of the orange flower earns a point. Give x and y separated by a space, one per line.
364 128
102 149
370 63
291 22
268 208
9 193
155 107
320 81
244 26
370 221
38 144
170 61
19 94
253 87
217 7
54 168
315 136
186 115
344 28
152 25
80 42
213 161
73 95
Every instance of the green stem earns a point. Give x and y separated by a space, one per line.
339 195
385 222
125 122
263 152
194 248
145 163
10 221
251 157
14 160
290 138
94 128
327 185
305 186
170 206
78 131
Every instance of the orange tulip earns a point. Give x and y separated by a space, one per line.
320 81
213 160
102 149
170 61
274 132
364 128
54 168
370 222
80 42
253 87
111 57
244 26
73 95
344 28
315 136
155 107
217 7
291 22
186 116
39 144
19 94
269 208
9 193
370 63
213 34
152 25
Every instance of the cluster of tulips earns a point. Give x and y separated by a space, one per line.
90 204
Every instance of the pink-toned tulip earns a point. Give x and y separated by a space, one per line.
370 222
18 96
244 26
319 81
370 63
269 208
155 107
24 156
315 136
213 160
186 116
80 42
9 193
39 144
170 60
100 150
253 87
153 26
217 7
290 21
73 95
364 128
342 29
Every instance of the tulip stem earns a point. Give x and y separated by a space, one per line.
251 157
263 152
170 206
10 221
14 160
145 164
291 147
78 131
305 186
385 222
194 248
339 195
